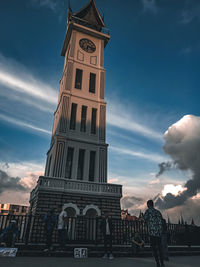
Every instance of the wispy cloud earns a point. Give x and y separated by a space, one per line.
23 124
119 117
190 13
51 4
150 6
18 79
29 86
138 154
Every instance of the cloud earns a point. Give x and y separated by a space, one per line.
24 82
164 166
190 13
23 124
10 183
17 178
149 6
182 144
51 4
118 116
129 201
138 154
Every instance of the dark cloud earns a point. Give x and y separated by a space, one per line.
10 183
164 166
183 146
130 201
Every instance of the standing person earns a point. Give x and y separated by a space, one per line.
153 219
164 241
50 222
107 230
62 218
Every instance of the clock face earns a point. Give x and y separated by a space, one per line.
87 45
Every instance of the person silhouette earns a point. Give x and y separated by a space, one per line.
153 219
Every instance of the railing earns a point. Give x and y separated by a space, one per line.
87 24
84 230
77 186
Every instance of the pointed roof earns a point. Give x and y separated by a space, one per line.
90 14
192 222
169 222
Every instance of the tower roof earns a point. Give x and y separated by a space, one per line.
88 14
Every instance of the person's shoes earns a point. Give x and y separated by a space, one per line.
46 250
105 256
111 257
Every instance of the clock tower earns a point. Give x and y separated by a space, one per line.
76 166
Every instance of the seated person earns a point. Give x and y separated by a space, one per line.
137 243
9 234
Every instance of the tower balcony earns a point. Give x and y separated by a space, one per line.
76 186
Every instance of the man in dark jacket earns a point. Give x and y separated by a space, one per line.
107 231
153 219
50 222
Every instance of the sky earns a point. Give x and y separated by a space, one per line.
152 93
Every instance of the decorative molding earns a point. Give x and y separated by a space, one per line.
93 60
80 55
102 123
69 75
102 54
72 46
102 84
94 207
72 205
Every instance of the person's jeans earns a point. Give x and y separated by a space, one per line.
164 246
49 234
156 246
108 243
62 238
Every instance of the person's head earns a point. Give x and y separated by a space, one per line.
60 208
52 211
106 214
150 204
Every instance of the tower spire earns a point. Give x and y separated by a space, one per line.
69 6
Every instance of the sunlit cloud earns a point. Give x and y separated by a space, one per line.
172 189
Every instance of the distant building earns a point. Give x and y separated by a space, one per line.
126 216
7 208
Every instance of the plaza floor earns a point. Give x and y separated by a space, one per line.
192 261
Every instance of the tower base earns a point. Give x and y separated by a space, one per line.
76 197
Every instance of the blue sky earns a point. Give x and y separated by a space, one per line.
152 81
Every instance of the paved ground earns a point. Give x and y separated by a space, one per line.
193 261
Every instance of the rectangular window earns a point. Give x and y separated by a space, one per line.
70 154
80 164
83 119
92 166
93 121
78 79
73 116
92 82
